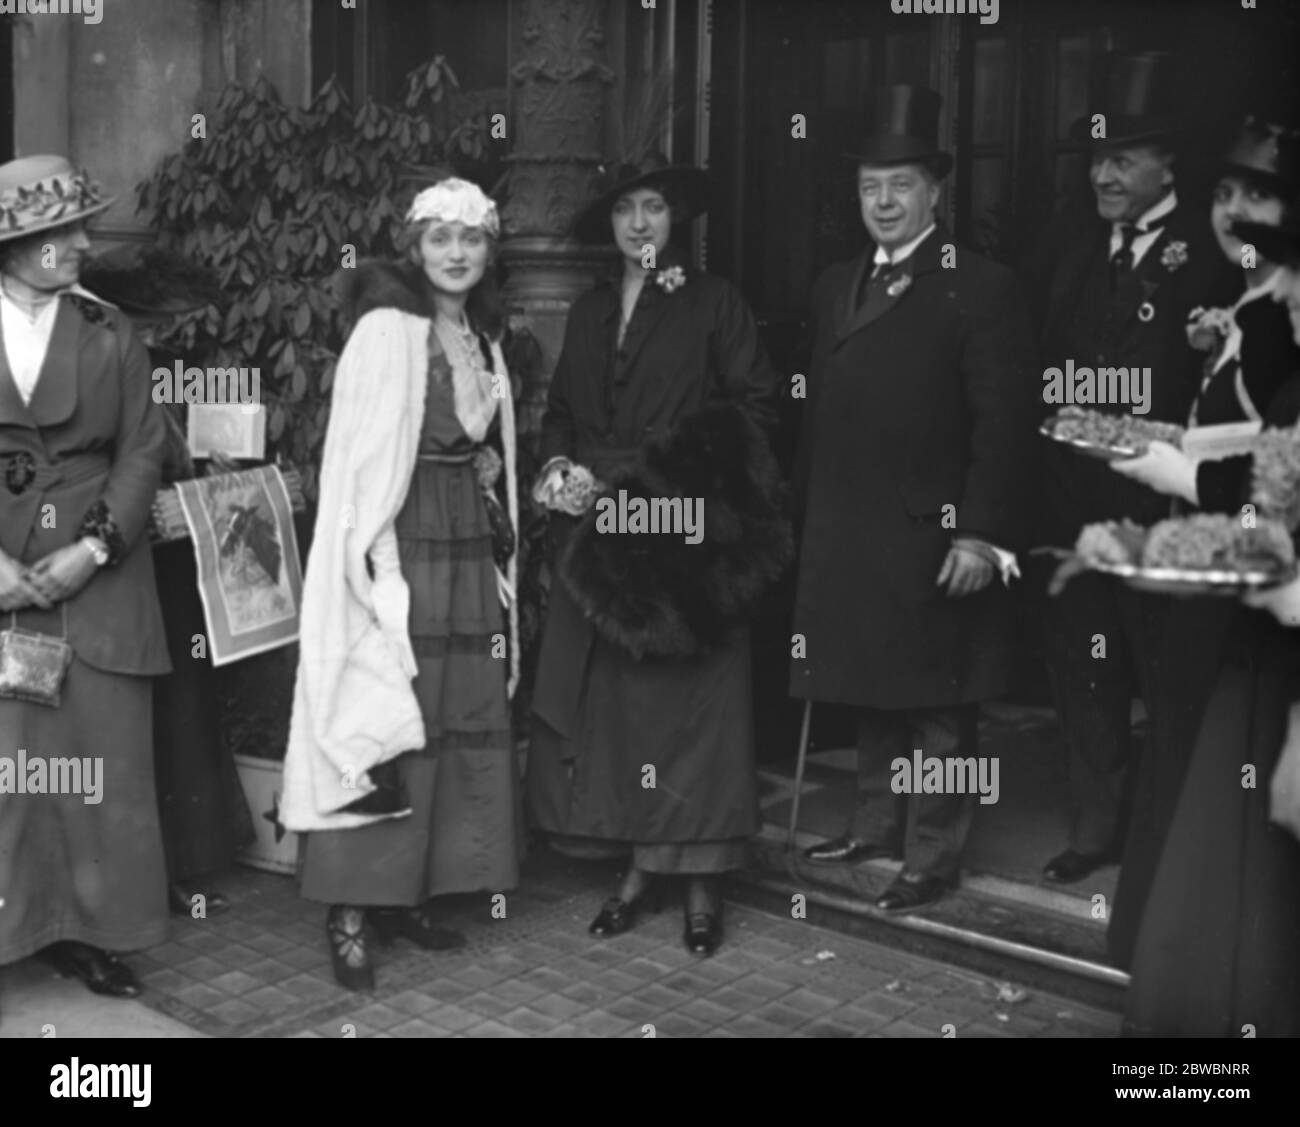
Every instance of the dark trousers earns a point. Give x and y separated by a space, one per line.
932 827
1093 695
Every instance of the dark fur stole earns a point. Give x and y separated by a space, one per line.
657 596
378 284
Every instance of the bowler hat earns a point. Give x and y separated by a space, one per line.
688 186
1266 154
903 128
1140 103
38 193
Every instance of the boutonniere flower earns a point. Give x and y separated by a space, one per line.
671 279
899 285
1174 256
1207 327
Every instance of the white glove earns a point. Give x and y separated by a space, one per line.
392 600
550 481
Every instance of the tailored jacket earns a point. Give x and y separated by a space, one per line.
85 457
1143 325
917 411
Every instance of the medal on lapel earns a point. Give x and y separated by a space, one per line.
20 472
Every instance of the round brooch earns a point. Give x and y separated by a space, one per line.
1146 312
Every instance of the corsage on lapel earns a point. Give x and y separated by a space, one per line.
1174 256
91 310
671 279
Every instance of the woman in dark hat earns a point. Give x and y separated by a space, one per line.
1250 354
81 861
1218 950
643 729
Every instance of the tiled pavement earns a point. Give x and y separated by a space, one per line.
262 970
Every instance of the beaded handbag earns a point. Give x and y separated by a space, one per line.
33 665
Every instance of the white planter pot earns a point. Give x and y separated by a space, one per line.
263 781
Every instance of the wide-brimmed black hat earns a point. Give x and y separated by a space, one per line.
1142 101
1280 244
1266 154
903 128
688 186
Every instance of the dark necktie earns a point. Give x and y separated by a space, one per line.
1121 262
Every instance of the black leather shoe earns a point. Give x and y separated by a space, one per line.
905 895
415 924
703 933
846 850
1068 867
102 972
345 926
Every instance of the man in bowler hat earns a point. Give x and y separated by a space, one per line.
912 446
1116 288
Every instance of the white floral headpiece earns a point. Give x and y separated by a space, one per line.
454 201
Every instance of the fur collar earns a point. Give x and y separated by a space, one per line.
380 284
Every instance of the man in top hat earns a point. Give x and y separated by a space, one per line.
1116 288
913 443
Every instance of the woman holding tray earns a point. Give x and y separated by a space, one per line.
400 766
1250 354
643 725
1218 950
81 859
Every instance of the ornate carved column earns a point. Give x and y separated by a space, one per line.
560 84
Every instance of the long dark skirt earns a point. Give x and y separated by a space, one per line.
1219 945
465 830
205 817
72 869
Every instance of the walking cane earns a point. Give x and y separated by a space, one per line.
798 773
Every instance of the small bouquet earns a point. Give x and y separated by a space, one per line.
1206 328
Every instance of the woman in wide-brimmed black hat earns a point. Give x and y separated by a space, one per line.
1249 355
1218 950
643 730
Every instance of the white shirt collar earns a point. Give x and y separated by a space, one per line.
905 251
1148 219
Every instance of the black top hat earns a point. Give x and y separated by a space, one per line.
903 128
1141 101
1266 154
688 186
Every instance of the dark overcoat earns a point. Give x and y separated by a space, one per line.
917 409
603 716
91 433
1143 325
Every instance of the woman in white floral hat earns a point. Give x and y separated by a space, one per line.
643 731
81 450
400 766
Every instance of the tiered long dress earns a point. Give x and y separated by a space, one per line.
464 833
